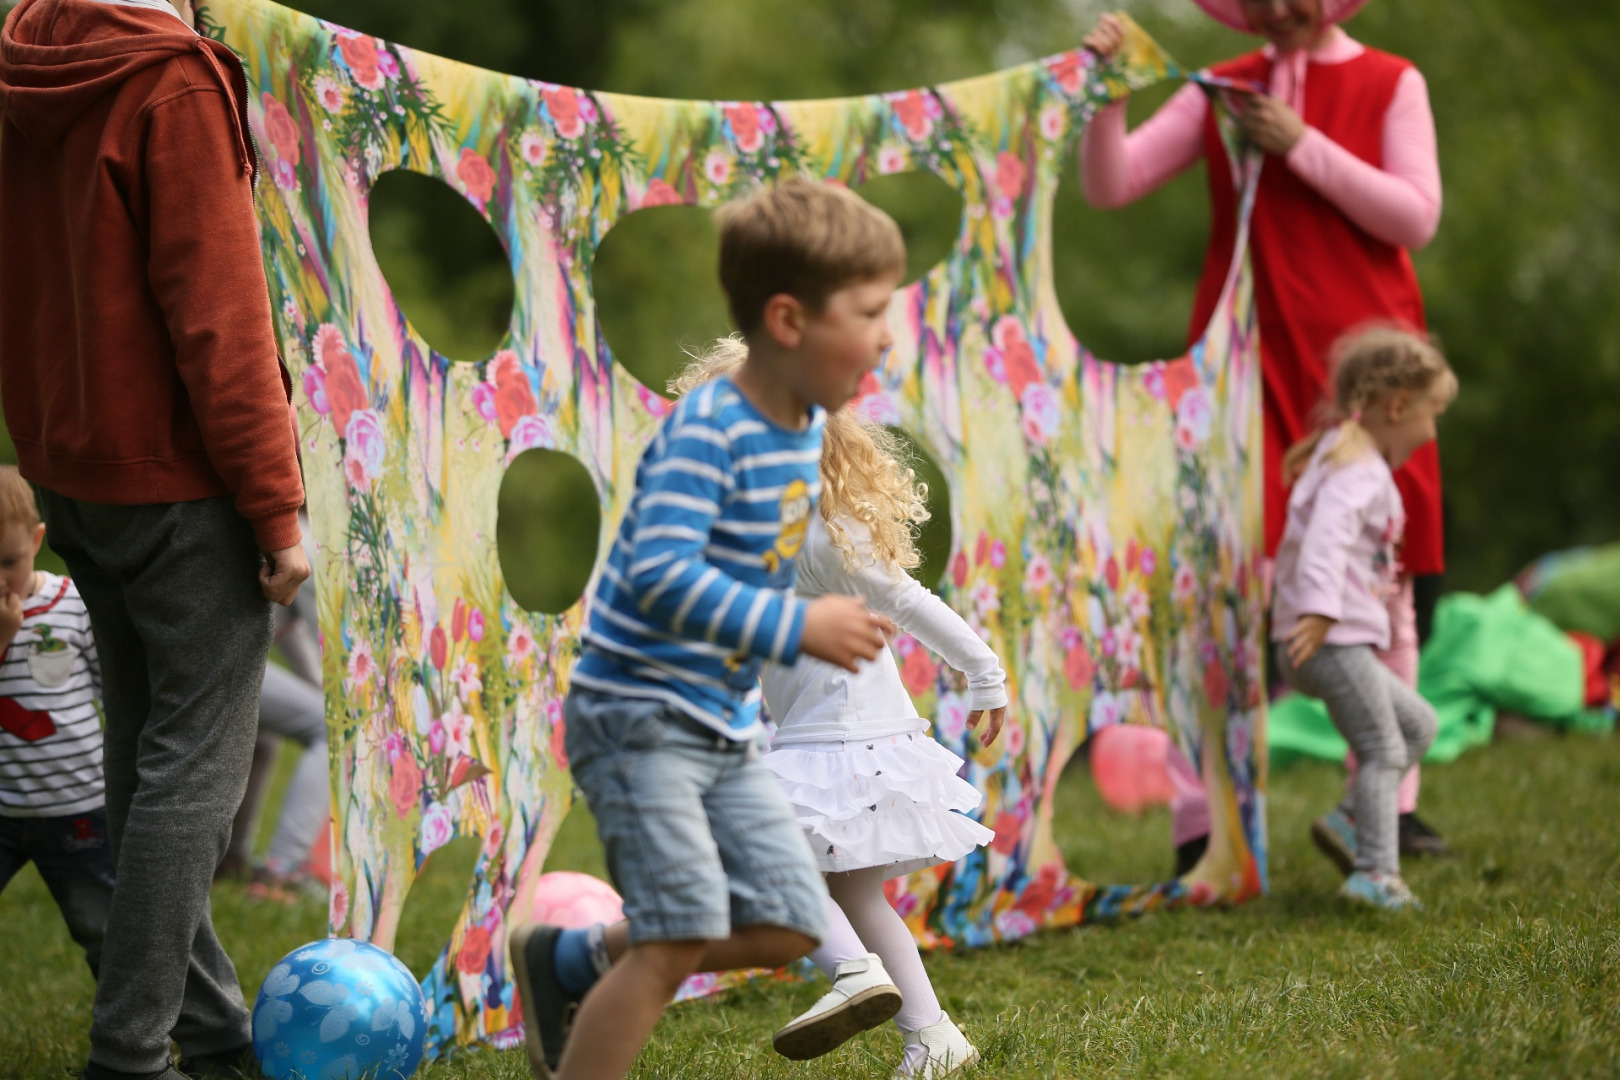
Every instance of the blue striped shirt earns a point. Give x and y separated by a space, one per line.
698 588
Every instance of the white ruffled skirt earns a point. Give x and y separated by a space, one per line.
893 801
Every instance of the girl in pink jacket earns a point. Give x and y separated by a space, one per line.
1336 569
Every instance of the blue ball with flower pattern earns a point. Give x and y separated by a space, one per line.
338 1010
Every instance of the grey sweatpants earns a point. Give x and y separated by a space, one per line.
183 630
1388 726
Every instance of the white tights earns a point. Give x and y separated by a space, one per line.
860 920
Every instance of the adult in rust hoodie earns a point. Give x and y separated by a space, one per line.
141 384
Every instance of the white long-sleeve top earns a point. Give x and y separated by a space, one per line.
815 702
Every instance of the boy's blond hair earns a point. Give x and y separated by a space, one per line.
17 506
804 238
1366 366
864 474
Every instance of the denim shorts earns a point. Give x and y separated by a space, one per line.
698 835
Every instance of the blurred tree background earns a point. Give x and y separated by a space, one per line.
1522 282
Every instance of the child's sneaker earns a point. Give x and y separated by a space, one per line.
1419 838
548 1009
1373 889
935 1052
1335 834
862 997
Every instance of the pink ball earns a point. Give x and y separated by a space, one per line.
575 901
1129 764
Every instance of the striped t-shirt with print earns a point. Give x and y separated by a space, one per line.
698 588
50 725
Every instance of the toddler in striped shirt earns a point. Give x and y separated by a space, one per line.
663 717
51 807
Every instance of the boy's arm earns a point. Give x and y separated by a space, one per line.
682 487
206 272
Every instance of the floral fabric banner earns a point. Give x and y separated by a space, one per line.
1107 518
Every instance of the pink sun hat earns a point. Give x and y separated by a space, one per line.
1230 12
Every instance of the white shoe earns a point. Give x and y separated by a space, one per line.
937 1051
863 996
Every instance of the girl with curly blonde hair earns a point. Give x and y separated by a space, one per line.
877 797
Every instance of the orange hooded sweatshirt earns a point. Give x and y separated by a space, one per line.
138 362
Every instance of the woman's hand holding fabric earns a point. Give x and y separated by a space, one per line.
1270 123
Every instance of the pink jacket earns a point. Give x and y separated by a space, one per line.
1399 203
1338 553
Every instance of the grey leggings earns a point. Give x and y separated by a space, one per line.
1388 726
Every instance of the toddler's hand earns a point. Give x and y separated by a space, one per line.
839 630
11 615
992 729
283 571
1106 37
1306 637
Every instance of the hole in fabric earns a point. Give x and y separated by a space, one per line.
928 211
1104 845
934 537
1125 278
576 847
547 526
443 262
657 288
435 899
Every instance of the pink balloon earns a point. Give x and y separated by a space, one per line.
1129 764
575 901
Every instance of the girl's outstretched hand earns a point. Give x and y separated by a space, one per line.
992 729
1107 37
1306 638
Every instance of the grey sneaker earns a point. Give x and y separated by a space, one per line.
548 1009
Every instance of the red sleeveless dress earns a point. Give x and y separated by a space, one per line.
1316 275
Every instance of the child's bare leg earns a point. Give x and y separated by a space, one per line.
747 947
620 1012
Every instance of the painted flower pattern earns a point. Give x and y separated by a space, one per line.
445 697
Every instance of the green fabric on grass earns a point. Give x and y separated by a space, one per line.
1584 593
1487 654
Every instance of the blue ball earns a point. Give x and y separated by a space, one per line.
336 1010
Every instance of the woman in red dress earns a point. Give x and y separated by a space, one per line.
1350 184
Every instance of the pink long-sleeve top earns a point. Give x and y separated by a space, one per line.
1338 553
1398 203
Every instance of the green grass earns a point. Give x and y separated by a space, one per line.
1512 971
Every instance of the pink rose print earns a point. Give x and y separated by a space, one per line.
360 54
558 743
1065 71
280 129
655 404
388 65
365 444
1018 355
1010 175
474 951
475 625
476 177
405 785
513 396
344 391
529 432
437 828
1149 562
998 554
1078 668
563 106
913 115
918 672
1179 377
483 397
437 737
315 390
1008 828
660 193
744 121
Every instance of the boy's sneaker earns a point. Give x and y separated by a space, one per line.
1335 834
221 1064
862 997
1373 889
548 1009
1419 838
935 1052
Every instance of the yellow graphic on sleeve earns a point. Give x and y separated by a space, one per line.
795 523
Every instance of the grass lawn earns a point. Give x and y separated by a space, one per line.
1512 971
